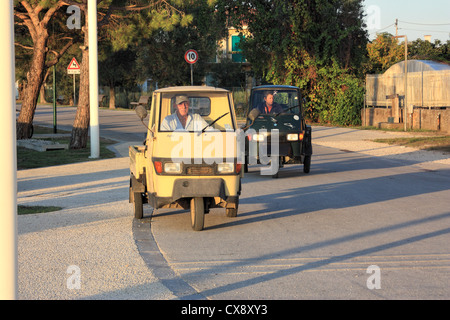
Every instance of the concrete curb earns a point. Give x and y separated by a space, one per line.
156 262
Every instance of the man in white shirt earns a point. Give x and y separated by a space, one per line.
182 120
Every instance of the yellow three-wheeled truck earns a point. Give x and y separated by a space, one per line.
190 157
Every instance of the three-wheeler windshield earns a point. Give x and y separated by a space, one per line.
195 111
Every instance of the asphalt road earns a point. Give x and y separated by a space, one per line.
315 236
358 226
114 124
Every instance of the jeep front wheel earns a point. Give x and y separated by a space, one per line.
307 164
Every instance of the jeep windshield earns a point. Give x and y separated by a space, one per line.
285 101
193 112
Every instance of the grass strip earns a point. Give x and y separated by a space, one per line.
29 159
21 209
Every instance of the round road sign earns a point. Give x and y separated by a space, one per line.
191 56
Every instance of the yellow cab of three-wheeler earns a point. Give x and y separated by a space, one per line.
188 162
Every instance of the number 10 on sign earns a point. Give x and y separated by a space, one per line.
191 57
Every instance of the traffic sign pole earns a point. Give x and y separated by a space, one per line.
74 68
191 57
54 100
74 90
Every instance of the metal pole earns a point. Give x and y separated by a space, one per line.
405 107
54 99
365 117
93 79
74 90
406 83
365 102
8 168
192 75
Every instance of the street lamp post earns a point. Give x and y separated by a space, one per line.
8 169
405 120
93 79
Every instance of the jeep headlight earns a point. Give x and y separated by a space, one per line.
292 137
258 137
225 167
171 167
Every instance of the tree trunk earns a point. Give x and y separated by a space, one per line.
112 97
42 93
21 89
35 78
80 130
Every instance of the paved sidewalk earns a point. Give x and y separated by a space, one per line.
92 235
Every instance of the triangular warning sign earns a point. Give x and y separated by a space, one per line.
73 65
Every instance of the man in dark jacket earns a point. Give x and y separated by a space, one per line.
268 106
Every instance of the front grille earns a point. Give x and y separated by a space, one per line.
200 170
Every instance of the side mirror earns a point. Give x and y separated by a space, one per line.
253 114
141 112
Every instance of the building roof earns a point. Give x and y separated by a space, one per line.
418 66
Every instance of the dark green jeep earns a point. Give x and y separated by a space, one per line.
275 130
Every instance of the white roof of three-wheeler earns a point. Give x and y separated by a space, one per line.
191 89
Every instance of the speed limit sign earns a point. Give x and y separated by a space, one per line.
191 56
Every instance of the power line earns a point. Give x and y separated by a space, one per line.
377 31
385 27
438 31
427 24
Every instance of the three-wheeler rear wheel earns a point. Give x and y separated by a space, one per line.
232 212
138 205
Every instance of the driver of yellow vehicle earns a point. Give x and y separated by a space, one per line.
182 120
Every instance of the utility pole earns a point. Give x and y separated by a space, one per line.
396 27
405 109
8 169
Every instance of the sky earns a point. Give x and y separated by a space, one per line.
417 18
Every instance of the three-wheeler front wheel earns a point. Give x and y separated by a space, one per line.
197 213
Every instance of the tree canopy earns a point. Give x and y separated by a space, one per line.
307 43
320 46
122 22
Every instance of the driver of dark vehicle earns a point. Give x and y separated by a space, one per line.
268 105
